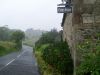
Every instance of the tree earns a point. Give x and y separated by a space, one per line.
4 33
17 37
49 37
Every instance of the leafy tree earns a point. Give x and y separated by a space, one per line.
49 37
18 36
4 33
10 40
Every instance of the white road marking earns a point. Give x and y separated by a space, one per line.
18 56
7 64
12 60
21 54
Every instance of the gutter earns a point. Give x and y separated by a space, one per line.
63 19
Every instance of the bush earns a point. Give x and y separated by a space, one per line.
58 56
45 68
55 53
90 56
90 66
1 50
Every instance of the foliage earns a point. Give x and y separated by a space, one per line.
58 56
48 37
55 53
7 47
18 36
90 54
45 68
90 65
5 33
14 36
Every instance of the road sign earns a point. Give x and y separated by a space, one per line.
64 0
64 9
61 4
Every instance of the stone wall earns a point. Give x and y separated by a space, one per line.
67 31
77 25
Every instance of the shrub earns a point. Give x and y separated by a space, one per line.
90 65
55 53
58 56
90 56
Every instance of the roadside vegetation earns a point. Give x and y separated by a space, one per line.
53 55
10 40
89 52
6 47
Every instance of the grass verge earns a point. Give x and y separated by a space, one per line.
7 47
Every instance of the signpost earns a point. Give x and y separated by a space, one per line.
61 4
64 0
64 9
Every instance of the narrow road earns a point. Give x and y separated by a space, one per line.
19 63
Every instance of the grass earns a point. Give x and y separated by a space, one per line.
31 41
45 68
7 47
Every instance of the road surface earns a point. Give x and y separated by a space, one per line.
19 63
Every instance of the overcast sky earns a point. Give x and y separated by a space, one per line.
36 14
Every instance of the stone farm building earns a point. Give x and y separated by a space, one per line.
84 20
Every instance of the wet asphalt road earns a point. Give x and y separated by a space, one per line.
19 63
